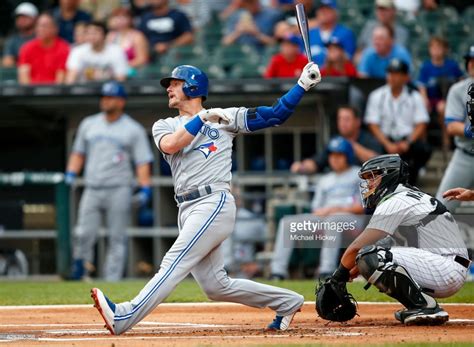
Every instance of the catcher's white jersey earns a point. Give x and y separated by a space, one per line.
416 219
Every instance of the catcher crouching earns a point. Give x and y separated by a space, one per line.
411 250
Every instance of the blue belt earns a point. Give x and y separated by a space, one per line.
193 194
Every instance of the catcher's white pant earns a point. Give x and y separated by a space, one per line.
204 223
438 273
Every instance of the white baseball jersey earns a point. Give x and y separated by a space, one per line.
107 64
337 189
397 117
208 158
407 215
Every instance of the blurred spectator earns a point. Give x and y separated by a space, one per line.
328 28
397 116
349 123
25 17
67 14
240 248
408 8
198 11
385 14
436 75
251 25
132 41
165 27
101 9
336 198
96 60
80 33
289 25
337 64
375 59
43 59
289 62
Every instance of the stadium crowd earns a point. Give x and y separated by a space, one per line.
402 42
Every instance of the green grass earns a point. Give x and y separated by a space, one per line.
61 292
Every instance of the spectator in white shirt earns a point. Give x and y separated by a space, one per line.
396 115
96 60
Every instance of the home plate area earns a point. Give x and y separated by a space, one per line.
223 324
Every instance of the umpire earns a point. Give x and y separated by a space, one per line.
110 144
460 170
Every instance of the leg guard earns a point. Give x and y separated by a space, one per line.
376 266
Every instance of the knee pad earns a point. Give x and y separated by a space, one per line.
376 266
370 259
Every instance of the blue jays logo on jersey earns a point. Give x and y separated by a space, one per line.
206 148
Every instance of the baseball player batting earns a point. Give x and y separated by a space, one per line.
433 261
198 146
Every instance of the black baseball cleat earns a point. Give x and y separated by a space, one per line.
422 316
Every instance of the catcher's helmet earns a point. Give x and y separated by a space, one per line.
381 176
195 81
469 55
339 144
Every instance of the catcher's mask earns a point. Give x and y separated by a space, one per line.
381 176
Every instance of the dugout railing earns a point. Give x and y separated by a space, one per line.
61 234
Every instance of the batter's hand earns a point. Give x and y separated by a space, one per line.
310 76
216 115
461 194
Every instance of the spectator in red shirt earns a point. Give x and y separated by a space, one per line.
43 59
337 64
289 62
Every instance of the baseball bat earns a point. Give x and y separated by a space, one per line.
302 20
304 31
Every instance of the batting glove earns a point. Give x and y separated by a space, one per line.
216 115
310 76
143 196
468 131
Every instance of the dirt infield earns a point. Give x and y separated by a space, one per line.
222 324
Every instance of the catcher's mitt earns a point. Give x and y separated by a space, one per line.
333 302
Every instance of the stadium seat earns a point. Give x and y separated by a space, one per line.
8 75
247 70
228 56
468 15
183 55
268 53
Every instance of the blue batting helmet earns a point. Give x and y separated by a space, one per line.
339 144
114 89
195 81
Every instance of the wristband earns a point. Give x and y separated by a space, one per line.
194 125
70 177
341 274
